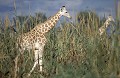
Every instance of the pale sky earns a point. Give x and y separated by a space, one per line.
50 7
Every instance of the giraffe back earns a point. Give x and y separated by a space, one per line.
28 40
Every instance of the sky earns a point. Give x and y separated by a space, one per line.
50 7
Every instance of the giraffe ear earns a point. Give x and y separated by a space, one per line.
61 9
63 6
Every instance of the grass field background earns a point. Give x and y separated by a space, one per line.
72 51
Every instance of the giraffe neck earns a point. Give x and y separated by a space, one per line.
106 24
47 25
103 28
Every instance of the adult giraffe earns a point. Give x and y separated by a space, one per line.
36 40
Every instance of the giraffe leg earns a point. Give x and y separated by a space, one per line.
40 47
35 63
40 58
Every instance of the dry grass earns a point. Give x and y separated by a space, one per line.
72 51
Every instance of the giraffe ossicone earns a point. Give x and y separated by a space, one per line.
36 40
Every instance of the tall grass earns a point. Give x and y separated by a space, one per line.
72 51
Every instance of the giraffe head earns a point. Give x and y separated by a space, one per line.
110 19
64 12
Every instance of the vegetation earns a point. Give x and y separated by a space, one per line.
72 51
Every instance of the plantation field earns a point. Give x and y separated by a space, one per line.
73 50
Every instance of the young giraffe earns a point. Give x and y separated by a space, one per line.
106 24
36 40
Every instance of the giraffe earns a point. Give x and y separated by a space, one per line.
106 24
36 40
